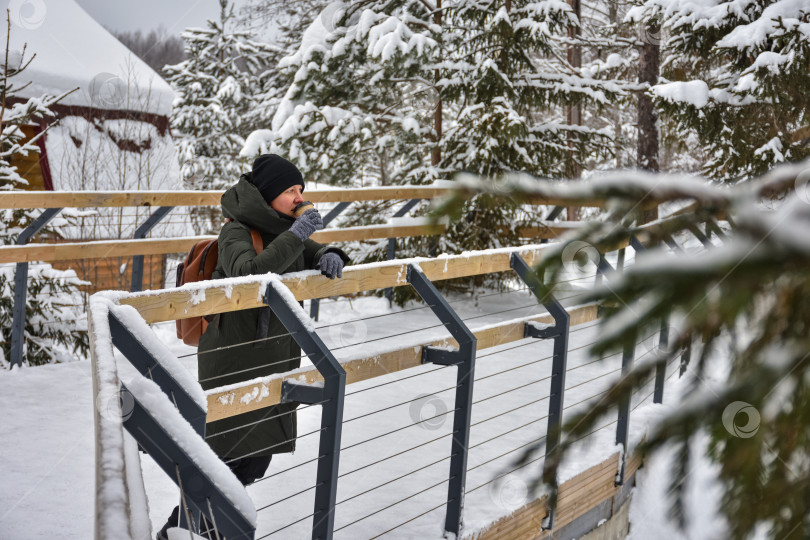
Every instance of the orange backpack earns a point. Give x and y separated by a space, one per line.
199 266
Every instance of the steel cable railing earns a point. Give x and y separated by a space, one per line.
276 445
400 477
413 518
393 431
455 386
242 344
421 445
397 430
437 484
428 442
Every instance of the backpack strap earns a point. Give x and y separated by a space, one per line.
255 236
258 244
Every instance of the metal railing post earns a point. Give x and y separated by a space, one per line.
140 232
637 246
147 365
330 396
603 266
686 356
391 252
335 212
623 421
712 226
687 350
559 332
670 241
552 215
661 367
663 340
700 236
197 488
21 287
314 308
464 359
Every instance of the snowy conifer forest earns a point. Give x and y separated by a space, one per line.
675 115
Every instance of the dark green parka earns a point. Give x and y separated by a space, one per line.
257 343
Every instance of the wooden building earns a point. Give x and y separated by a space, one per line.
111 134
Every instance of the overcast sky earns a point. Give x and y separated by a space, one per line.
129 15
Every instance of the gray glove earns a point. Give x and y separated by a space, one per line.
309 222
331 265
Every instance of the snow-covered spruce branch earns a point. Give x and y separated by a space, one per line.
639 186
745 294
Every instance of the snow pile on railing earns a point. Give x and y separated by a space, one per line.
114 518
119 488
130 318
152 398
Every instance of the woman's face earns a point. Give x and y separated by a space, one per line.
288 200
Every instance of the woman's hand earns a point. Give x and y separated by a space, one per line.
309 222
331 265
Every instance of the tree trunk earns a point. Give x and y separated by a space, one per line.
574 111
436 153
647 148
616 115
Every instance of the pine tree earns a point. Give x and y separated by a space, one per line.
738 73
218 88
56 327
412 92
345 119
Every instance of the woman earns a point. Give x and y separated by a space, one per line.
242 345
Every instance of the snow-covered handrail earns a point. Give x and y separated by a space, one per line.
103 199
118 489
159 246
218 296
68 251
109 199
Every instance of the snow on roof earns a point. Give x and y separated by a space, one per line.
73 50
114 155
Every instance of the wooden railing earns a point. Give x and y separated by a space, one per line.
160 246
177 303
100 199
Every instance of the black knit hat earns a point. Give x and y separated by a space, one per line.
273 175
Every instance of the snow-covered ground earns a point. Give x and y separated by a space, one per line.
393 470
